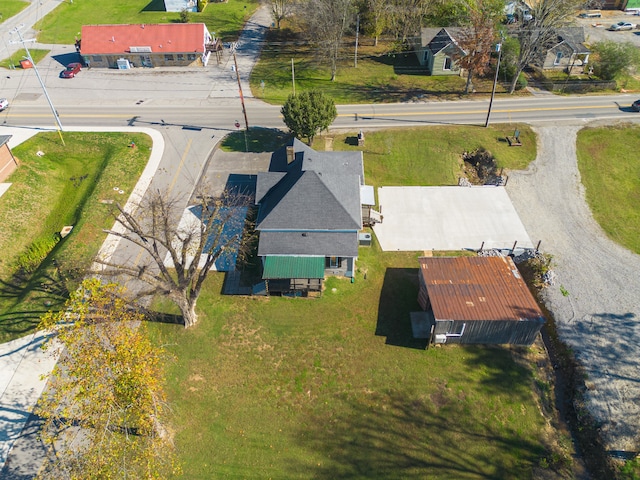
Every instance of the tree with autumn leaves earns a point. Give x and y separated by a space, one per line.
104 410
477 39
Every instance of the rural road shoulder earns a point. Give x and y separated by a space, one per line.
598 318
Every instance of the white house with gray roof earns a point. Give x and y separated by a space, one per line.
309 216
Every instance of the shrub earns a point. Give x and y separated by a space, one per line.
522 81
30 260
184 16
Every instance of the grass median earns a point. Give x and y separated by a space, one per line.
55 186
610 171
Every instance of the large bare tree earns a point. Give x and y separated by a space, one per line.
535 35
280 9
180 250
326 22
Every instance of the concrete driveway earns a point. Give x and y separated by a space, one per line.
448 218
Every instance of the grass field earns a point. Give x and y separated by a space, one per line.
9 8
610 171
380 76
432 156
64 24
337 387
65 186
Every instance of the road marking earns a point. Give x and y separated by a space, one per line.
184 157
470 112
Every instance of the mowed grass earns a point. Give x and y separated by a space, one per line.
432 156
380 77
610 171
64 24
336 387
9 8
65 186
14 60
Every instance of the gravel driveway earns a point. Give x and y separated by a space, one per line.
599 316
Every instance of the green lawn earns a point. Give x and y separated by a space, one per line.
610 171
65 186
9 8
432 156
336 387
64 24
14 60
379 77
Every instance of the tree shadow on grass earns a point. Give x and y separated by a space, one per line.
398 434
258 140
399 297
154 6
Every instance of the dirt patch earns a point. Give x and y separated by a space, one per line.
479 167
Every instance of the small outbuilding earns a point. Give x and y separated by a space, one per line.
475 300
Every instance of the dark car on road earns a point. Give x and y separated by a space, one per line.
636 105
71 70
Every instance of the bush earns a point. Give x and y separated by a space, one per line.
522 81
184 16
30 260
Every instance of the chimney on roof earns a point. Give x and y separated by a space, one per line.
291 154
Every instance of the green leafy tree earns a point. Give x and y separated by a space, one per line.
105 406
614 59
374 17
308 113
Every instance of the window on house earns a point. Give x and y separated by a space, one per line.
180 57
97 58
558 58
168 58
191 56
447 63
334 262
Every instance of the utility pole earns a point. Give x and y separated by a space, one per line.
46 94
293 78
244 110
355 58
495 81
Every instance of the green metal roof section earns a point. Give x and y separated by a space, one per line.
277 266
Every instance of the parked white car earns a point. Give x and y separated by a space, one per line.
4 103
616 27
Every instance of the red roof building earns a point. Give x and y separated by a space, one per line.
475 300
144 45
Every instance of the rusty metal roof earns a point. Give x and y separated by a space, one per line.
477 288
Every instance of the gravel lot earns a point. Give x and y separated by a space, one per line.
599 316
599 32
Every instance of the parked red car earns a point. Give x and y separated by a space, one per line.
71 70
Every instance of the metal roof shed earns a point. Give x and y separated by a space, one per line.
478 300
